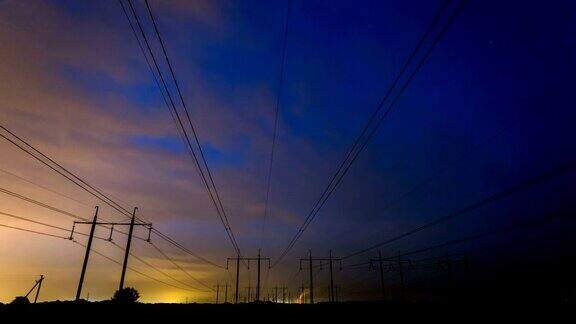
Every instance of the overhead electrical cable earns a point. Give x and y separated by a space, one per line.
367 133
226 222
55 166
511 190
134 270
276 115
179 119
180 268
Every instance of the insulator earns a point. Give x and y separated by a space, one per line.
111 231
72 232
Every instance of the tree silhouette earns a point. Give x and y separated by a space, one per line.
20 300
126 295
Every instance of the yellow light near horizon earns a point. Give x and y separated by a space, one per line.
174 296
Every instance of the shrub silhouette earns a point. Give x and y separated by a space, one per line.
126 295
20 300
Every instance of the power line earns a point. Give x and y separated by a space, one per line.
41 204
226 223
155 268
522 185
22 218
464 156
474 237
134 270
63 171
76 242
33 221
33 231
44 188
352 153
174 114
151 69
185 249
276 114
345 164
179 267
83 185
501 230
58 210
187 139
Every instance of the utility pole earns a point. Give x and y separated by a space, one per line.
259 260
237 276
38 284
249 290
38 290
95 223
283 294
226 292
401 273
302 294
217 291
87 255
310 266
258 281
400 264
311 277
381 266
336 294
450 266
127 252
330 260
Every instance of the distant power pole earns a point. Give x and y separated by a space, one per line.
276 294
331 261
399 262
238 258
381 266
217 291
310 266
93 224
226 292
249 291
283 294
38 284
237 276
302 294
450 266
336 294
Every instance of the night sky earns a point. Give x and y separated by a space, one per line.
492 107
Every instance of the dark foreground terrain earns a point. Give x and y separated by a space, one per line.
348 311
